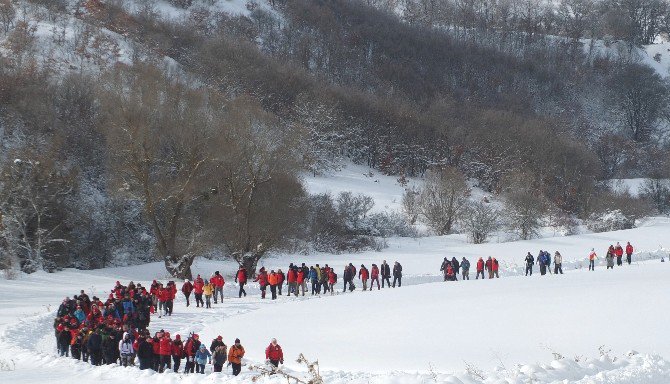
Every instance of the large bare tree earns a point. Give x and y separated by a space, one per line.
160 132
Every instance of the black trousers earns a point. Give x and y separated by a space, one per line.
388 282
144 363
529 269
592 265
398 279
558 268
619 261
628 258
176 362
237 368
273 291
242 291
198 300
275 363
187 299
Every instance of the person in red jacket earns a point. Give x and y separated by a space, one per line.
190 348
198 286
172 294
274 354
186 289
218 282
618 251
300 282
374 276
262 280
292 279
162 296
177 352
629 252
165 352
494 268
280 280
480 268
332 280
241 279
364 275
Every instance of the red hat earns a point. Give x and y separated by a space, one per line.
177 337
196 336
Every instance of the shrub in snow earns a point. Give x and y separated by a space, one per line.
387 224
480 220
609 220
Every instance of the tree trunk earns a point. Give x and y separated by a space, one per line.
250 263
179 266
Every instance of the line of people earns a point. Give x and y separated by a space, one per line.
613 252
451 269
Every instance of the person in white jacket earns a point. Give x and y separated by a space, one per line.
127 351
558 263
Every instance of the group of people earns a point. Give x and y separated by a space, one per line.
116 331
203 287
613 252
544 261
451 269
319 279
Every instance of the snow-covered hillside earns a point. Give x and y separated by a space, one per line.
504 329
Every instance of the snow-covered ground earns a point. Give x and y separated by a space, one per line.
505 329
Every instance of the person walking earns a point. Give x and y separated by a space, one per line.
177 352
262 280
186 289
374 276
235 355
558 263
489 267
397 274
456 266
465 268
542 263
629 252
198 286
219 357
301 281
618 252
273 281
530 261
292 278
386 274
241 279
364 275
313 279
280 281
201 358
218 282
274 354
443 267
207 290
494 268
332 280
480 268
610 259
592 259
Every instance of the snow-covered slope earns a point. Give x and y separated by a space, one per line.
506 329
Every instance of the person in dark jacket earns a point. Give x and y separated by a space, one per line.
110 349
530 261
443 267
456 266
186 289
216 343
219 357
386 274
94 346
64 339
397 274
145 353
465 267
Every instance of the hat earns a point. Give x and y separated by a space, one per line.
177 337
219 337
186 281
237 341
196 336
202 346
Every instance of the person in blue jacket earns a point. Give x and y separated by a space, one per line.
201 358
314 279
79 314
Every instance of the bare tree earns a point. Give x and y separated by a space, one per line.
480 219
32 194
256 201
160 134
7 15
443 198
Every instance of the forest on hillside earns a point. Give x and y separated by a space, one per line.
108 161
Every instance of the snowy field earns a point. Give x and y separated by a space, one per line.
504 330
